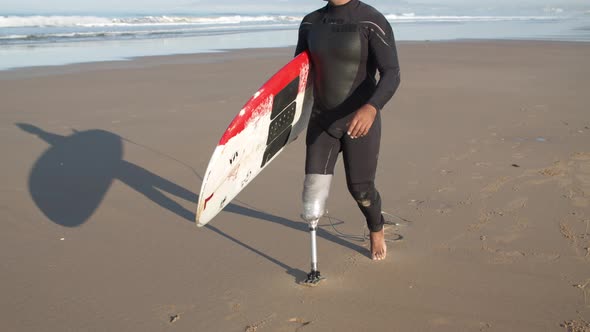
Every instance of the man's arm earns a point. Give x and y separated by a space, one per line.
302 39
382 46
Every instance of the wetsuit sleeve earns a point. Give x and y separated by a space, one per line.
302 39
382 47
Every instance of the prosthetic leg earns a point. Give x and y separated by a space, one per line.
316 189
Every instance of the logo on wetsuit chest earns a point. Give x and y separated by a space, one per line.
330 20
338 25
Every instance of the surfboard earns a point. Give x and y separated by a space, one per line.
271 119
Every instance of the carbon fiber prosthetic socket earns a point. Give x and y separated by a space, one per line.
316 189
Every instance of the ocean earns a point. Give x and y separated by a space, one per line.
46 40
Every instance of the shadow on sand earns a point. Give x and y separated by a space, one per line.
71 178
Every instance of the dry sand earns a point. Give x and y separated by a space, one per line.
486 149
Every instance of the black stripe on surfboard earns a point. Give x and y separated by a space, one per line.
284 98
281 122
275 146
282 116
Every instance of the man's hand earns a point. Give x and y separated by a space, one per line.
362 121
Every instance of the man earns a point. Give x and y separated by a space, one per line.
348 41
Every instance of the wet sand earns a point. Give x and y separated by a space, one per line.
485 150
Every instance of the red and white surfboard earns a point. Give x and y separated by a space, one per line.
272 118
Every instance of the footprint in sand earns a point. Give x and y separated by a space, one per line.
581 156
500 256
572 175
520 225
578 240
518 155
516 230
255 326
508 238
576 326
446 189
170 313
484 219
301 322
495 186
235 308
585 290
516 204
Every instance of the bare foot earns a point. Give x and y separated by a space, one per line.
378 246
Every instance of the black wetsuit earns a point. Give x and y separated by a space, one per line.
347 45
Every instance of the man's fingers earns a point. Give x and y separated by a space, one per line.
357 129
353 128
364 131
360 124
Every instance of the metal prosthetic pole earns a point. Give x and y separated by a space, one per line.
314 276
315 193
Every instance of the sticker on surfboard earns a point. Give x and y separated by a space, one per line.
271 119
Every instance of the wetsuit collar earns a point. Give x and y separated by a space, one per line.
334 7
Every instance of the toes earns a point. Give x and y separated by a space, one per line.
378 256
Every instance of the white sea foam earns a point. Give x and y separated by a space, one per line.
553 10
234 19
95 21
50 21
99 33
14 37
411 17
42 29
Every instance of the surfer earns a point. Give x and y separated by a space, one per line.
348 42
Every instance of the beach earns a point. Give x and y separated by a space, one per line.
484 166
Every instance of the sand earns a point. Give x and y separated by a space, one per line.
486 151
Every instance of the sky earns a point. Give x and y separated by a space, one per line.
420 7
